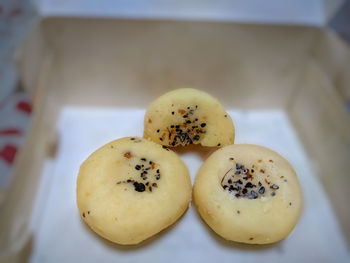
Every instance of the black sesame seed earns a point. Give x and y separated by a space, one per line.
232 159
172 113
244 191
191 112
253 195
274 186
161 139
195 119
88 212
259 183
150 188
252 170
238 172
229 181
273 193
139 187
188 108
173 143
225 186
132 139
158 171
137 167
172 126
150 162
142 165
196 106
249 185
290 203
154 185
225 115
128 181
262 190
196 137
238 182
238 212
158 130
238 166
188 121
143 159
157 177
219 144
147 183
237 195
177 126
145 172
203 125
144 178
231 188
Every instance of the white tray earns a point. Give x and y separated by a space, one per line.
61 236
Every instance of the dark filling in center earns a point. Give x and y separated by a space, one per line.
239 181
189 131
148 173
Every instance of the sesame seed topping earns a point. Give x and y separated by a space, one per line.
262 190
139 187
203 125
137 167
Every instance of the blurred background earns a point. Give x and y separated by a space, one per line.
18 17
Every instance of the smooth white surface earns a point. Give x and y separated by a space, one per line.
62 237
311 12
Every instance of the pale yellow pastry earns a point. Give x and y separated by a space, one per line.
188 116
132 188
249 194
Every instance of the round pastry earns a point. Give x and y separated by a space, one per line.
249 194
132 188
188 116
